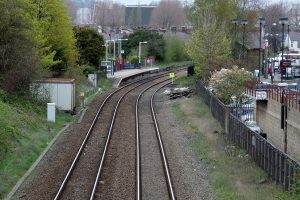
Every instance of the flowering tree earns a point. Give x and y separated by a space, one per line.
229 83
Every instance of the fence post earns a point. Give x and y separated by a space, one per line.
227 113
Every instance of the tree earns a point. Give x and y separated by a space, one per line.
18 60
107 13
168 13
55 27
90 46
175 49
228 83
155 44
209 44
272 13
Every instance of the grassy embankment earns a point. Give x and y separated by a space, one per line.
232 173
25 133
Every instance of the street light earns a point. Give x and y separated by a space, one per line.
282 21
120 47
140 51
244 22
106 50
114 58
235 22
261 23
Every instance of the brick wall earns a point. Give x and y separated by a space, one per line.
267 115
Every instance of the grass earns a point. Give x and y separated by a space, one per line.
25 133
232 173
33 133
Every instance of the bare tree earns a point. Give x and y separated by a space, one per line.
72 9
107 13
272 13
168 13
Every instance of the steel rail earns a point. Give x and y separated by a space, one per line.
108 140
138 164
162 150
58 194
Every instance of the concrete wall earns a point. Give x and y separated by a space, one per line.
267 115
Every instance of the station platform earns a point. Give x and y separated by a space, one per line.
118 76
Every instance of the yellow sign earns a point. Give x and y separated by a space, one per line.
82 94
172 75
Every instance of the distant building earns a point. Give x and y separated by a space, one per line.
292 41
138 15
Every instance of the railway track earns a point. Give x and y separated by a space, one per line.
81 180
153 167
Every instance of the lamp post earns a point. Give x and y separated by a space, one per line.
140 51
120 46
114 58
288 34
282 21
261 21
106 51
244 22
235 22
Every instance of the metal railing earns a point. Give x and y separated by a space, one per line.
275 92
279 166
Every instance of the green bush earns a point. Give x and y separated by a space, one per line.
175 50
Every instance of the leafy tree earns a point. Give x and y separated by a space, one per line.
90 46
55 27
223 10
155 44
18 59
175 49
209 45
227 83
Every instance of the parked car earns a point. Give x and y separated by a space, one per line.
253 126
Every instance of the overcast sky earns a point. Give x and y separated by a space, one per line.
147 2
142 2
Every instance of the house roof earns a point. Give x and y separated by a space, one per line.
251 40
295 36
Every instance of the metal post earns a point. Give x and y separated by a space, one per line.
140 49
244 22
235 21
282 47
259 61
244 27
139 54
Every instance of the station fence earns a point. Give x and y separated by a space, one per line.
277 164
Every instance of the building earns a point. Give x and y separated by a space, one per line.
292 42
138 15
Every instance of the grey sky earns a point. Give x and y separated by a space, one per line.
142 2
146 2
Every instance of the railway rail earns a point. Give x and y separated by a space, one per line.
73 186
163 159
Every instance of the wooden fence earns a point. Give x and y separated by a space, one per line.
279 166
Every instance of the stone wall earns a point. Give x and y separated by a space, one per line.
267 114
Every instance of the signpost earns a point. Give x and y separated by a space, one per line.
172 75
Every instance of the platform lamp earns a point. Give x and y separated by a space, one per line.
282 21
261 22
140 44
244 22
235 22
